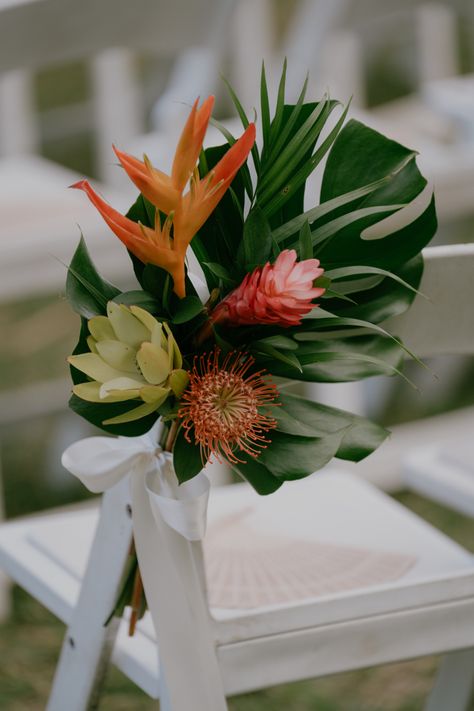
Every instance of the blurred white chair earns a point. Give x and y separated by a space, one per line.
330 40
443 473
41 218
326 575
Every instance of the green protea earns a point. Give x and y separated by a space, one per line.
132 357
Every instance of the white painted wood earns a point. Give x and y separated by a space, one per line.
305 42
437 41
66 538
440 324
307 638
179 611
18 128
342 70
37 244
88 642
454 684
253 19
118 110
386 467
443 472
59 30
354 645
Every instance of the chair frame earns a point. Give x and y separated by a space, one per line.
364 629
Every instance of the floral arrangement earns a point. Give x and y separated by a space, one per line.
278 294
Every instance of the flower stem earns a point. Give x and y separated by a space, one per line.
135 602
172 432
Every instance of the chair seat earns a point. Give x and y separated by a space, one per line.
41 224
351 553
443 473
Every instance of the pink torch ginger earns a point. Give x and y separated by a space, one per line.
279 293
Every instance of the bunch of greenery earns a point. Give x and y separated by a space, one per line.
375 215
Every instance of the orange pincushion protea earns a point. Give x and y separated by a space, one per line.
222 405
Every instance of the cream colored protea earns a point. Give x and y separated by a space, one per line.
132 357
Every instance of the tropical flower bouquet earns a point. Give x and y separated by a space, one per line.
276 295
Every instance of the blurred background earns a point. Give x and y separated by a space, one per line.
77 77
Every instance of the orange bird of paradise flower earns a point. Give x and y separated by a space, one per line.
165 244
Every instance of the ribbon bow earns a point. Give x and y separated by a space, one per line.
101 462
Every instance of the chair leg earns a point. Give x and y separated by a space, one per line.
5 597
453 686
88 643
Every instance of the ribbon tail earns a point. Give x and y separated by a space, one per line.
183 507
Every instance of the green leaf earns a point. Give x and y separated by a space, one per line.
329 230
230 138
292 226
307 418
244 170
256 245
96 413
219 238
138 298
371 365
341 322
344 272
324 282
361 155
299 177
258 475
245 121
278 118
187 309
333 360
264 106
305 242
279 341
332 294
282 136
142 211
291 457
86 291
187 459
266 349
221 272
386 299
295 150
292 119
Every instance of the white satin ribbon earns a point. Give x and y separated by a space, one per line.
101 462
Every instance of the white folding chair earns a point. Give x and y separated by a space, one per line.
326 575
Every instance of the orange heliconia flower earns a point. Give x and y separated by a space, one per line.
221 406
151 246
165 246
164 191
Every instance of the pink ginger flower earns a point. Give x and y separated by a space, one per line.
278 294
